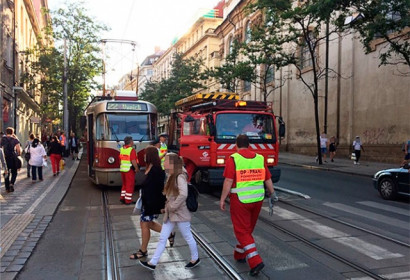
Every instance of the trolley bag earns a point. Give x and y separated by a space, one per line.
192 198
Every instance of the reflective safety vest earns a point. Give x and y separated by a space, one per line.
62 141
125 159
162 151
250 176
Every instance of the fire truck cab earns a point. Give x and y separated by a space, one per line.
203 131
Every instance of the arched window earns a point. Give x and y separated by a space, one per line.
230 45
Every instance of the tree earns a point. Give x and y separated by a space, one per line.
83 60
302 25
385 19
186 76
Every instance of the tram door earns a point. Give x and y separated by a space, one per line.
91 145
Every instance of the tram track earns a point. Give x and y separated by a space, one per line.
112 269
327 252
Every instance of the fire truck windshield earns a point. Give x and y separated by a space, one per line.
114 127
258 127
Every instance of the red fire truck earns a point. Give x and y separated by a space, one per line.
204 129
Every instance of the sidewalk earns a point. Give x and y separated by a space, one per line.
26 213
343 165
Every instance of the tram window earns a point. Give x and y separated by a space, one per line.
113 127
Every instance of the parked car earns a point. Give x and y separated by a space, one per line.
393 182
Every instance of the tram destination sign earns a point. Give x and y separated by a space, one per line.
127 106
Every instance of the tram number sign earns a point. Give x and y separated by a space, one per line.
127 106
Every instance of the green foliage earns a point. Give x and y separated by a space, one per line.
186 76
387 19
83 62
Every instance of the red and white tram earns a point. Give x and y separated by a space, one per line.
109 120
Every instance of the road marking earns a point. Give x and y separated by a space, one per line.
385 207
368 214
357 244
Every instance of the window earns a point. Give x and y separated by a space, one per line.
258 127
305 57
230 45
196 127
248 32
113 127
247 86
270 74
9 52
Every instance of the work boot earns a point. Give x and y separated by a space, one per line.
255 271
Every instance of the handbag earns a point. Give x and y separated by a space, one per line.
19 162
138 206
192 198
27 153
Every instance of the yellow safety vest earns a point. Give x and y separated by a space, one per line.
162 151
125 159
250 176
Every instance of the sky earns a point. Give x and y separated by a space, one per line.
150 23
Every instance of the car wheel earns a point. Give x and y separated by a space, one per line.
387 188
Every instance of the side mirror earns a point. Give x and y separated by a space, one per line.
282 127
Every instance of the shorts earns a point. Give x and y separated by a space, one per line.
147 218
407 157
332 148
323 150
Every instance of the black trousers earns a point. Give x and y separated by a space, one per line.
10 178
357 153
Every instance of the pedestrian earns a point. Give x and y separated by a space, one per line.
153 199
332 148
245 174
37 157
3 164
324 142
11 148
73 144
63 140
163 148
27 151
175 211
406 151
357 147
55 153
128 168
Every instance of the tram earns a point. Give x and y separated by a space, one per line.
108 121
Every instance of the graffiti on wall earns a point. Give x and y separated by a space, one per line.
375 136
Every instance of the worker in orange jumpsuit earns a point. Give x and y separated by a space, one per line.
128 168
245 174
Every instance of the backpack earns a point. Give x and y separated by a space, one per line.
192 198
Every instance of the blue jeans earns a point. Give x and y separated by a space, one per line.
34 172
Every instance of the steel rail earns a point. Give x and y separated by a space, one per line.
348 224
220 261
112 272
323 250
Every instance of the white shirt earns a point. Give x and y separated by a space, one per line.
323 142
36 155
356 145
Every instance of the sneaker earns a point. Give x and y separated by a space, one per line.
147 265
192 265
316 159
255 271
355 162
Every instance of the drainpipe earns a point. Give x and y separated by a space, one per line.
14 69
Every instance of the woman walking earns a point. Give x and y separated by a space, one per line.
176 212
27 151
55 155
152 199
37 155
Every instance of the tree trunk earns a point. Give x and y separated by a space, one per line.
319 152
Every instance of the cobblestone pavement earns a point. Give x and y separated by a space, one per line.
26 213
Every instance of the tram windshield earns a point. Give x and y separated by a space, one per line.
116 126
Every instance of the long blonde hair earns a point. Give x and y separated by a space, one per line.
176 163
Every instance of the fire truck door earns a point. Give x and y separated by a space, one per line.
195 141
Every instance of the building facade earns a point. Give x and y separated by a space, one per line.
23 23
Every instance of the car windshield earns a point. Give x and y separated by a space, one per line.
255 126
114 127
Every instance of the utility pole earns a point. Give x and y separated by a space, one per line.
65 99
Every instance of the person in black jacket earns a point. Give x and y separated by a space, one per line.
153 199
55 153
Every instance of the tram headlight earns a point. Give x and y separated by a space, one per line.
111 160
